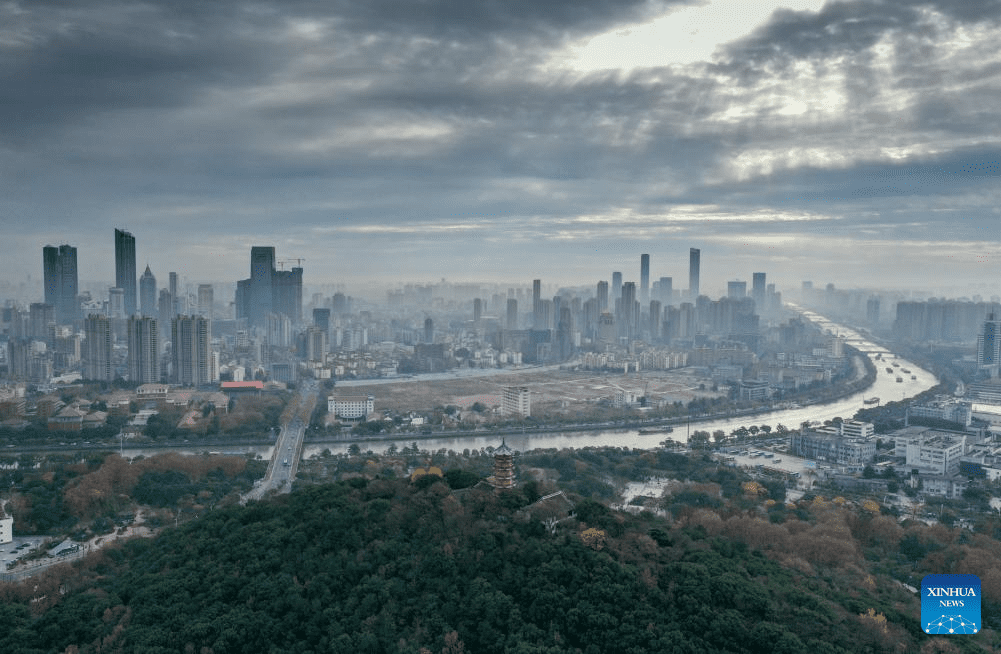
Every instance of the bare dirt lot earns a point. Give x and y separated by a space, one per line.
551 389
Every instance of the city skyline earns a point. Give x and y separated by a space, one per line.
841 142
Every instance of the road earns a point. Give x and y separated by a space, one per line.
288 448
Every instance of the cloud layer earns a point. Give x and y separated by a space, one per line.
855 142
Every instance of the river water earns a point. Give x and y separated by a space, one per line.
885 387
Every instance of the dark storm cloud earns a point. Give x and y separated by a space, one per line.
414 123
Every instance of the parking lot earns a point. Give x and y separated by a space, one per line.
21 545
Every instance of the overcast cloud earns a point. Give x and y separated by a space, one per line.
852 142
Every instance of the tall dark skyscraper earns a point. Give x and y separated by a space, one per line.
536 303
693 273
147 294
644 278
61 285
512 314
125 268
629 309
616 287
758 287
262 273
175 297
286 293
321 318
602 297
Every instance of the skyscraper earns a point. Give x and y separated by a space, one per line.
41 315
321 318
61 286
477 309
190 355
602 297
644 278
205 300
262 271
536 303
144 350
147 293
97 348
666 289
286 293
629 309
175 297
693 273
758 290
616 287
512 314
125 268
736 289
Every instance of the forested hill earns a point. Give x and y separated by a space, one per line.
388 566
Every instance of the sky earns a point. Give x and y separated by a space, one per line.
404 141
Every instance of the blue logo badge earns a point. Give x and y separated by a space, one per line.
950 604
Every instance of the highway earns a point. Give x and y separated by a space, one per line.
288 448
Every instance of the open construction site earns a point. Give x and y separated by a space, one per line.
553 392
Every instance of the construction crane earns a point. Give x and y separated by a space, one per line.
281 262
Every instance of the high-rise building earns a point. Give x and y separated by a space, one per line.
175 298
287 294
512 314
97 348
147 293
144 350
602 297
694 255
629 309
736 289
321 319
190 354
262 270
616 287
61 284
116 302
989 345
666 289
428 330
536 303
656 311
477 309
205 300
125 268
758 290
872 309
41 320
644 278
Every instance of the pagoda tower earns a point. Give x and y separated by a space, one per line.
503 476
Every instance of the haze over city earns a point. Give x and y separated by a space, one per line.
847 142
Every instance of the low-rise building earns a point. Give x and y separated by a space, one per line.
829 444
943 407
516 401
930 451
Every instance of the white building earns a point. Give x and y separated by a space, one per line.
856 429
6 530
516 401
351 407
929 450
